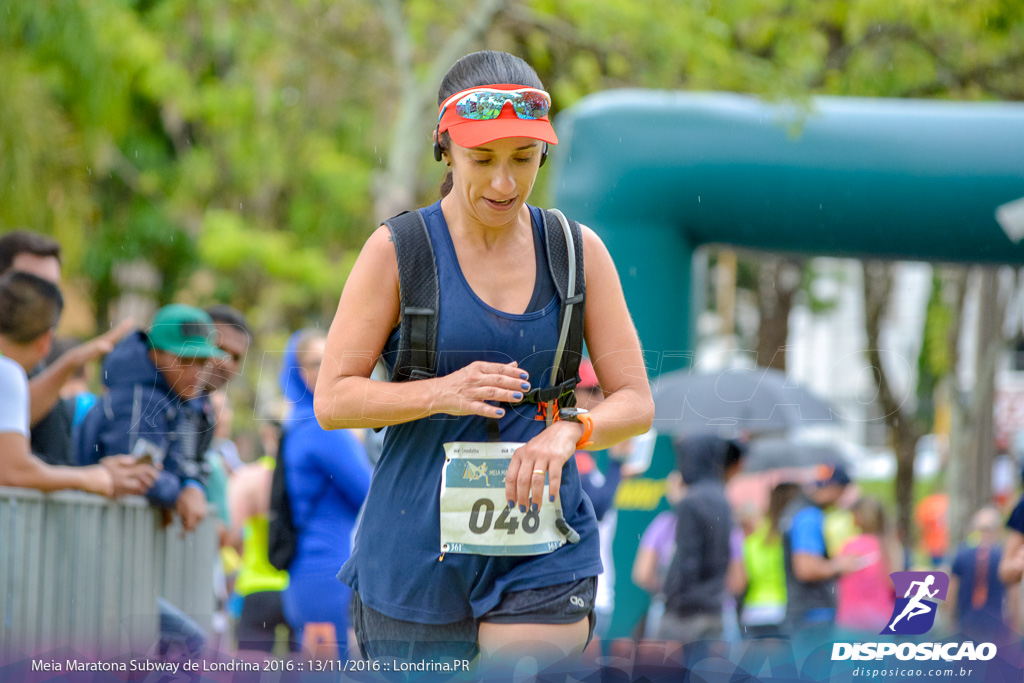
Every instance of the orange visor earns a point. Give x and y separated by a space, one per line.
476 116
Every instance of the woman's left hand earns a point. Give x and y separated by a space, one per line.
546 453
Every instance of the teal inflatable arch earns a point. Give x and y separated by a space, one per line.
658 174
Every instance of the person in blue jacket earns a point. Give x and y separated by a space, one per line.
155 406
327 476
419 592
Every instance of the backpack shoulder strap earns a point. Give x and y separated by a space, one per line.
420 298
558 264
281 534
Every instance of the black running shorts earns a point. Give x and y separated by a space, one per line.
382 637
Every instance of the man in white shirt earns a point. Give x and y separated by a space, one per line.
29 252
30 307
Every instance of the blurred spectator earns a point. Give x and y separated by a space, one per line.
223 447
233 338
748 518
810 573
259 584
865 594
28 252
734 578
654 556
979 604
932 515
327 477
269 431
764 602
29 309
695 584
76 398
153 378
217 464
156 408
1011 566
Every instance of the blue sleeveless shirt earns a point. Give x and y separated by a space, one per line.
396 563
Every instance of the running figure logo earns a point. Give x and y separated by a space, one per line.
914 613
473 473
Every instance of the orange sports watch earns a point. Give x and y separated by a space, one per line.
582 416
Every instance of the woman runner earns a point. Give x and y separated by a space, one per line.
497 335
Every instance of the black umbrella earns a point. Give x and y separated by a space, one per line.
772 453
754 401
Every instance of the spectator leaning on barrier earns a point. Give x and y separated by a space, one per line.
27 252
221 456
233 338
29 309
155 405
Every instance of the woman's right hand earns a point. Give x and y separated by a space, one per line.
466 391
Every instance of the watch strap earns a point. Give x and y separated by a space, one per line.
588 428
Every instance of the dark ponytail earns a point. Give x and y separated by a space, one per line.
477 69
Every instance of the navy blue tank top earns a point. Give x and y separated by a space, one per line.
395 560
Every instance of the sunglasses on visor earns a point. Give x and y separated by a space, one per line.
484 104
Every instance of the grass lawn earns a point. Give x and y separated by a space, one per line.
885 490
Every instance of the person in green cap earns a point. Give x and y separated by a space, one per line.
156 406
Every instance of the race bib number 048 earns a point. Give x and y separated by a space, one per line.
475 517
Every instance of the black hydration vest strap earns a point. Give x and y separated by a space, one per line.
558 264
493 432
420 298
420 303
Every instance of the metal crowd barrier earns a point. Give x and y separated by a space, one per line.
81 572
